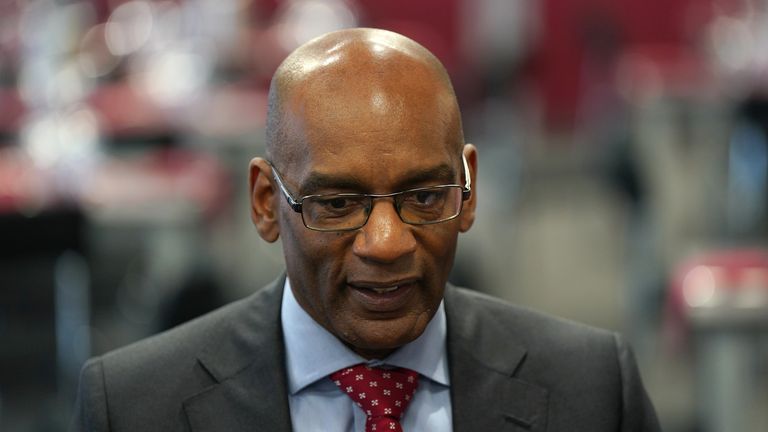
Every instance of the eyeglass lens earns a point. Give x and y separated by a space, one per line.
350 211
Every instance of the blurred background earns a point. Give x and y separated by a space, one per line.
623 176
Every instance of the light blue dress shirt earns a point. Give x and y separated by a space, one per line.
312 353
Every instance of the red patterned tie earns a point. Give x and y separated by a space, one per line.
383 394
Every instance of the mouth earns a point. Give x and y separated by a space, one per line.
381 290
382 296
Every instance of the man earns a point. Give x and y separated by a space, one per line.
368 182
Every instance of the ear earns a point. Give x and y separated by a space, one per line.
467 217
263 204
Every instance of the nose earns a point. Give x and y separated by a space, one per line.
385 238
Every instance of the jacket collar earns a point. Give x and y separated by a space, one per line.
247 364
483 359
250 389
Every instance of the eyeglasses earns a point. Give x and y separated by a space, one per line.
350 211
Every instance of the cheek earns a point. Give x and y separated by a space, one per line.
298 252
314 258
439 245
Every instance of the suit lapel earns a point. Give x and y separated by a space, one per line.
250 389
247 364
485 394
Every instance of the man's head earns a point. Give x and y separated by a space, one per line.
363 111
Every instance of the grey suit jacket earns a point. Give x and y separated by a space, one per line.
511 369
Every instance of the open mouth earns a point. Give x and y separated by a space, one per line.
382 297
384 289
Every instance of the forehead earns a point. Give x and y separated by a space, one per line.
374 119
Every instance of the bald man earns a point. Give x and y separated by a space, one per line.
367 181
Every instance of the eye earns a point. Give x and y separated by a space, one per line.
336 203
427 197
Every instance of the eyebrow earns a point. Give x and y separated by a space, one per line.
316 182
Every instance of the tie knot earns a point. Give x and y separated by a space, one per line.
383 394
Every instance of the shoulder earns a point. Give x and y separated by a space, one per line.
580 368
153 376
557 352
482 312
179 344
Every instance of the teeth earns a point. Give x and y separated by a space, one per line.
385 290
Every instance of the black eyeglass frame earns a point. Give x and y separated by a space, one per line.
297 204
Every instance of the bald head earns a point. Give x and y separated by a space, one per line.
342 77
365 113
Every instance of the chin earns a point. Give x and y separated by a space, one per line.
384 336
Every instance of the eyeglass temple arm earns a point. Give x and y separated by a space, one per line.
467 192
295 205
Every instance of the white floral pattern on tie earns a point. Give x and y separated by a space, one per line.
382 394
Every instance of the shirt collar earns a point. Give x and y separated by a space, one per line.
313 353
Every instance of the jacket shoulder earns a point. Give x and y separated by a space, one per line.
531 328
557 354
174 347
142 386
583 369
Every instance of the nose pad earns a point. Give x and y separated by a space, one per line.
385 237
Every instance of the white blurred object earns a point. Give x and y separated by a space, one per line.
733 42
737 44
52 137
219 19
498 32
129 27
94 57
699 287
303 20
47 78
174 76
722 296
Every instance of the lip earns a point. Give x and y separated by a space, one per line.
377 296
